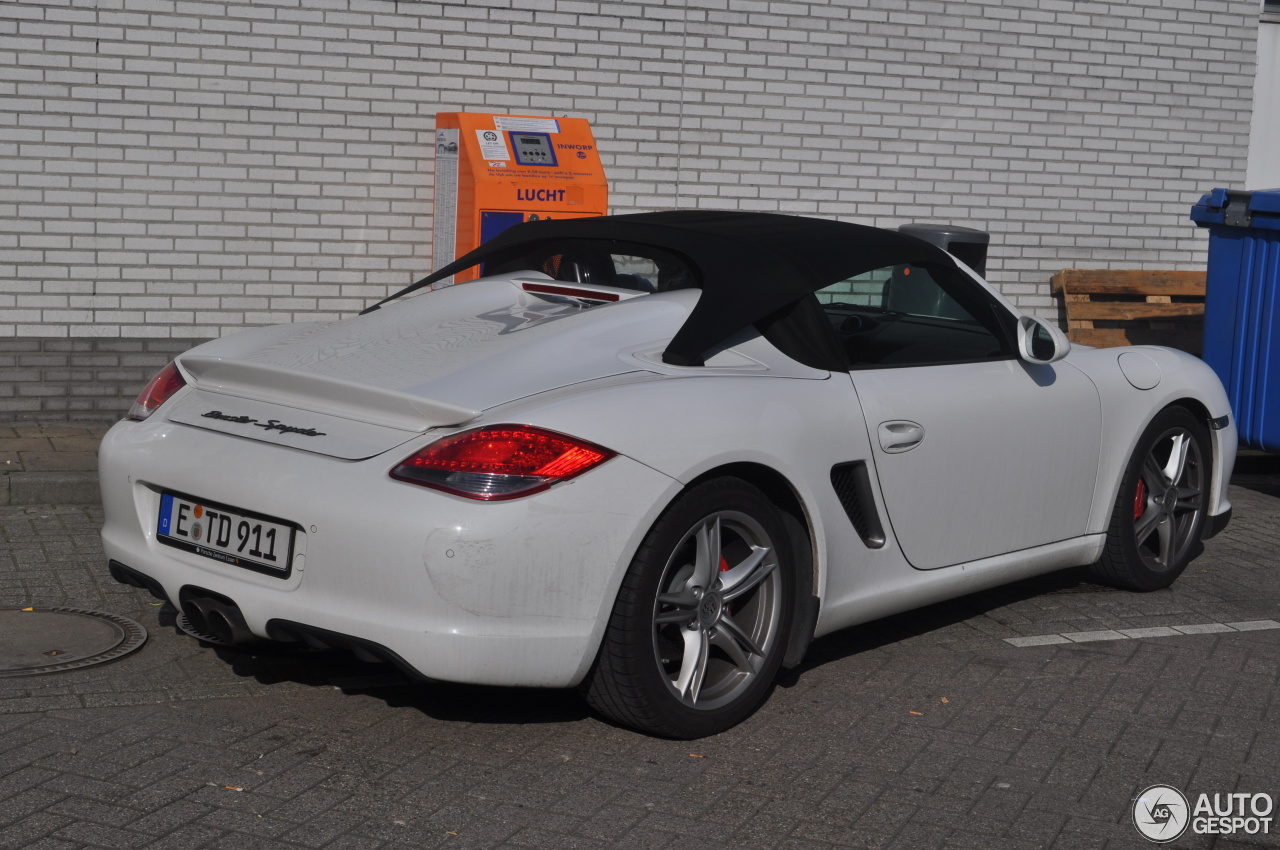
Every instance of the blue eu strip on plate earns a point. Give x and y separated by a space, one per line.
166 509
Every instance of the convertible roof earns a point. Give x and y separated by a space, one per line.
751 265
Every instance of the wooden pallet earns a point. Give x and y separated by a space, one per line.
1109 307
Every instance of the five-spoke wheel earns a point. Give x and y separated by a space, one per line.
699 628
717 618
1160 511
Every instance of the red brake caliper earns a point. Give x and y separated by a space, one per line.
1139 500
724 568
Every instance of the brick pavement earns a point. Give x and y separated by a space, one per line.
44 463
925 730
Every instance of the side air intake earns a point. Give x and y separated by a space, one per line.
853 487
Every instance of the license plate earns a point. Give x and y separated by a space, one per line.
223 533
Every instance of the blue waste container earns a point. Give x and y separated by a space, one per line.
1242 306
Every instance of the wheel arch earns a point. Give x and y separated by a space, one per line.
802 537
1222 450
1193 405
1185 382
1125 561
1197 408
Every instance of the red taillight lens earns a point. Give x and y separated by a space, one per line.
500 462
166 382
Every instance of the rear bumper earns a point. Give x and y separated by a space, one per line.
500 593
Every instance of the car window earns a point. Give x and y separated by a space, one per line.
904 315
633 272
608 263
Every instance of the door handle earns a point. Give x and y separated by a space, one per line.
900 435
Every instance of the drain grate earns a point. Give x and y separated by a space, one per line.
52 640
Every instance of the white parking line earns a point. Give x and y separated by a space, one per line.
1133 634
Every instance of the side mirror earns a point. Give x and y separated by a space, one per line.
1040 342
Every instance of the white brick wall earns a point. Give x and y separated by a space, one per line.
183 169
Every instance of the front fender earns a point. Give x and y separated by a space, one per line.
1127 411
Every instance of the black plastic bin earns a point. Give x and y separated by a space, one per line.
967 245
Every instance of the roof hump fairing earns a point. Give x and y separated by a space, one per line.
750 265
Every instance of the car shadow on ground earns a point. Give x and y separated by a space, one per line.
272 663
933 618
1256 471
441 700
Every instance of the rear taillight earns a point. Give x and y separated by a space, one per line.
166 382
500 462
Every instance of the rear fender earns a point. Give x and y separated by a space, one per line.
691 427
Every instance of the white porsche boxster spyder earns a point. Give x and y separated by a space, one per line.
654 456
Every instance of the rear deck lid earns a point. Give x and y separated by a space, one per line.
358 387
274 423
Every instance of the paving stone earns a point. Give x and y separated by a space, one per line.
25 832
50 486
60 460
139 752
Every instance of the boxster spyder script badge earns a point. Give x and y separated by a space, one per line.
270 424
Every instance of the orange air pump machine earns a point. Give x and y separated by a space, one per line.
494 171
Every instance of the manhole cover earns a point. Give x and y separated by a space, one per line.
50 640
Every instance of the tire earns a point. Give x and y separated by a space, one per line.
1162 504
701 621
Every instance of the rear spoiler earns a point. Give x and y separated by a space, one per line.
321 393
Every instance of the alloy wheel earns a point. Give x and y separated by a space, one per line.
716 617
1169 499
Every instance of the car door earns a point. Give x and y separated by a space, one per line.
978 453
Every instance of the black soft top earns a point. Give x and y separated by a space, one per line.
754 268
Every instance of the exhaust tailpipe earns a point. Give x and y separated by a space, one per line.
215 614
